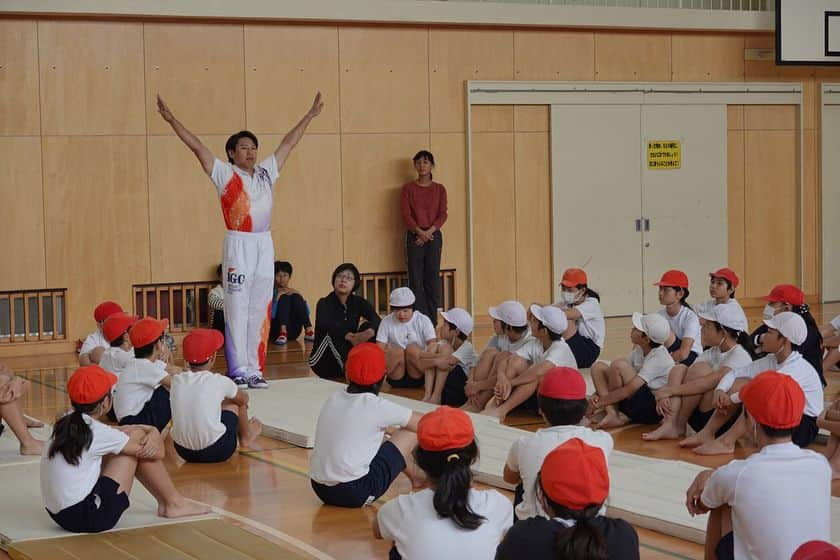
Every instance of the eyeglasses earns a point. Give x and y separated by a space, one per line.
348 277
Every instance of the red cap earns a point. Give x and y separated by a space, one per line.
365 364
774 400
563 383
117 324
675 278
147 330
445 428
573 277
726 274
575 475
89 384
816 550
786 293
105 310
201 344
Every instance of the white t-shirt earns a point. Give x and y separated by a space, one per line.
685 324
527 454
411 522
135 386
708 305
417 330
653 368
780 498
736 357
64 485
116 360
94 340
591 323
349 433
795 365
466 355
559 354
502 342
196 399
246 200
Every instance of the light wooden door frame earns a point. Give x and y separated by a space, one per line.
609 93
830 197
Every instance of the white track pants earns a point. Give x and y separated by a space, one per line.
248 278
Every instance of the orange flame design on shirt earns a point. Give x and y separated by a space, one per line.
236 205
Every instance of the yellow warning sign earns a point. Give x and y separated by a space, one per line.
664 154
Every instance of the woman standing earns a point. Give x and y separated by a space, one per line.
424 212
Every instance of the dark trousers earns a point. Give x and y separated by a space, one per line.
290 310
424 273
328 355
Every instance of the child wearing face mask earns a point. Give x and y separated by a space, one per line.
582 305
684 323
786 297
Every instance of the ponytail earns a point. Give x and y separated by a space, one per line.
805 312
450 471
71 435
684 298
741 337
584 540
589 291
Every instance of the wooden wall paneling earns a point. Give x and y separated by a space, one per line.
91 77
456 56
771 117
763 70
22 213
735 117
707 57
97 221
494 220
812 215
554 55
532 167
492 118
186 226
19 105
373 168
198 69
811 104
735 206
307 213
772 208
531 118
623 57
285 65
384 79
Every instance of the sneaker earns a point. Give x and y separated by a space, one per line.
309 335
256 381
281 340
241 382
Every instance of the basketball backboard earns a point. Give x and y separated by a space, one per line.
808 32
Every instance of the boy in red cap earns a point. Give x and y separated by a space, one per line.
350 465
12 388
767 505
119 352
684 322
722 285
562 403
95 343
449 518
573 484
89 468
209 412
142 392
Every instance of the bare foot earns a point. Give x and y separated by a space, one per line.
664 431
716 447
182 508
435 399
611 420
697 439
33 423
253 431
34 447
427 398
470 407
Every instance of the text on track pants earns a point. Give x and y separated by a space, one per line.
247 277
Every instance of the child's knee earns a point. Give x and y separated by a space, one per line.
231 407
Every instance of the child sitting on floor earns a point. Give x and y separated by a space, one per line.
351 466
449 518
562 402
289 311
209 412
95 343
403 336
89 468
12 388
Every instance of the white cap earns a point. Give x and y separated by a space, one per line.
728 315
790 325
654 325
460 318
510 312
552 317
401 297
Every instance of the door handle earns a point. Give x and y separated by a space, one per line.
638 224
647 224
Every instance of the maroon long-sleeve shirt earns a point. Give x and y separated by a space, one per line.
423 206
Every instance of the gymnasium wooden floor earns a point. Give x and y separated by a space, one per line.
266 489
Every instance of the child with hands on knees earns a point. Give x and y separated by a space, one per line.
403 335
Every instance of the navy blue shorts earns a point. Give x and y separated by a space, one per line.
406 382
640 407
384 468
156 412
99 511
219 451
725 548
584 349
699 419
518 497
691 355
806 432
453 388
